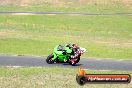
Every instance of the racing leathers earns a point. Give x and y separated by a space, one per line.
76 54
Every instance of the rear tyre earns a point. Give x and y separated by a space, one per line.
73 64
49 59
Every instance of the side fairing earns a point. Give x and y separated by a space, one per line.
59 54
68 50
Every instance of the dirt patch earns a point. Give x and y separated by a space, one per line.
114 43
6 2
65 3
25 2
6 32
128 3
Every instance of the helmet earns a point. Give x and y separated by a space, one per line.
74 46
68 45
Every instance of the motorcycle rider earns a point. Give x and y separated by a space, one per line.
69 53
76 50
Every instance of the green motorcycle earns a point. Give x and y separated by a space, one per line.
63 53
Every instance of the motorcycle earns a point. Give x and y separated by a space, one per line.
62 54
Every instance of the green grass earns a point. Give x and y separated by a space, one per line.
86 8
102 36
50 78
97 6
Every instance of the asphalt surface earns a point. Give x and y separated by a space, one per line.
30 61
70 13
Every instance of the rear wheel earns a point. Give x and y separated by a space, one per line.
49 59
72 63
78 59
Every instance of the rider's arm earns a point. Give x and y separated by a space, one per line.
76 54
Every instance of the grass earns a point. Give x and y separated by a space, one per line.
90 6
49 77
102 36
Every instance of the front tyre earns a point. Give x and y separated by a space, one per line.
49 59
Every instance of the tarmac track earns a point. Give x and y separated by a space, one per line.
68 13
94 64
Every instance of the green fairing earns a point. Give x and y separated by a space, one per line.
59 53
69 51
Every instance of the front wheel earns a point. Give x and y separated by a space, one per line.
49 59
